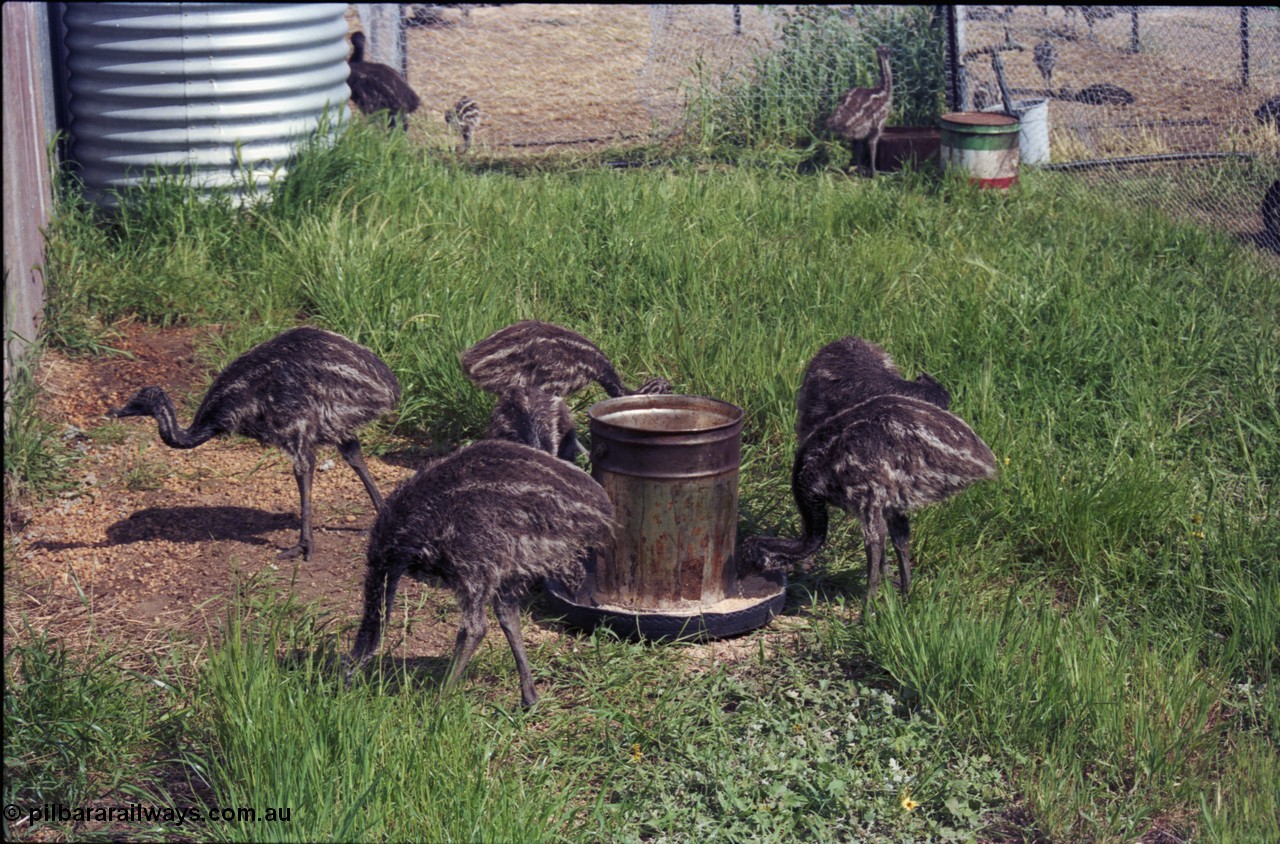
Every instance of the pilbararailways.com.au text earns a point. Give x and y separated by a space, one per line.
140 813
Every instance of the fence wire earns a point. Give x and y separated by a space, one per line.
1169 105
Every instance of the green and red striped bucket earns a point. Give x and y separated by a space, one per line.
982 144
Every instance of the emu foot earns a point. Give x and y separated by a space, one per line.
297 550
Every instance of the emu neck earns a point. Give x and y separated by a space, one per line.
357 52
613 384
813 518
886 75
170 432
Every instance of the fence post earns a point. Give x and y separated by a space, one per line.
1244 46
1134 44
957 82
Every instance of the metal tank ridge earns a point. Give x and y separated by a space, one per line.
209 89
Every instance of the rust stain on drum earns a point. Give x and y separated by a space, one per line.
670 466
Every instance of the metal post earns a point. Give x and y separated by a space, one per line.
957 82
1244 46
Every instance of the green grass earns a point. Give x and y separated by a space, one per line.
80 728
1091 638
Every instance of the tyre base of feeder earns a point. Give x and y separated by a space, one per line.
760 598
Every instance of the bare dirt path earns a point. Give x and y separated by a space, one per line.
151 541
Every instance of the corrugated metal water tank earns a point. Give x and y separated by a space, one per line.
208 88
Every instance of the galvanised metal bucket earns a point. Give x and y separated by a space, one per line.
982 144
1033 134
670 466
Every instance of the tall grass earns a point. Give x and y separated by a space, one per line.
385 759
80 729
783 98
1101 621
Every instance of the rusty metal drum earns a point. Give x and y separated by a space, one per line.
669 465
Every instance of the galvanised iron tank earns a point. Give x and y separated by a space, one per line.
212 90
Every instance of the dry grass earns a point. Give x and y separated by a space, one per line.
549 75
1185 80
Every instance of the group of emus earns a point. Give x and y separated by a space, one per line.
378 89
504 513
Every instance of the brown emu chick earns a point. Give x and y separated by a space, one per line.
875 445
547 356
377 88
464 117
488 521
860 116
535 417
304 388
879 460
849 371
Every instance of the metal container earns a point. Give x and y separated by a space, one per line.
902 145
982 144
221 92
1033 136
669 465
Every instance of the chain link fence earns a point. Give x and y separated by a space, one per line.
1165 105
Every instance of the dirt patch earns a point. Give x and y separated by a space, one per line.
151 538
151 541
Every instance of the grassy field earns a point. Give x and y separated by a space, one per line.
1090 649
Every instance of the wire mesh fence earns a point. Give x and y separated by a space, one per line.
1164 104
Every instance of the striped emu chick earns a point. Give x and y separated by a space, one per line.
302 389
878 460
489 521
860 116
1045 58
464 118
544 355
377 88
536 418
849 371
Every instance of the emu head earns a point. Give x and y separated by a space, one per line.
766 554
654 387
934 392
144 403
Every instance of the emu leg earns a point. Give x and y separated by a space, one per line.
570 448
304 468
379 595
350 451
873 536
508 612
470 634
873 142
900 533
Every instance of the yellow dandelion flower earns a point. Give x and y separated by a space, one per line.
1198 534
636 753
797 728
907 802
1006 460
1196 518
